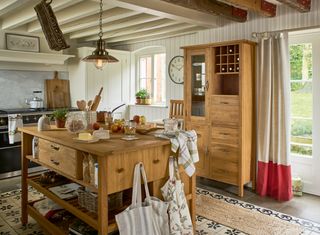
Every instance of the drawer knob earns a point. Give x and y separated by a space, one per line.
224 102
155 161
55 162
56 148
223 133
120 170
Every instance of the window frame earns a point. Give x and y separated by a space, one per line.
146 52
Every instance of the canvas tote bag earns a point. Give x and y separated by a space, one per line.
143 218
180 222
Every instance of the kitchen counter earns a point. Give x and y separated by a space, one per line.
116 159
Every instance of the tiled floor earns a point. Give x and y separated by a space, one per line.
306 207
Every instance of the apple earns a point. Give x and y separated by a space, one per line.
136 119
114 128
96 126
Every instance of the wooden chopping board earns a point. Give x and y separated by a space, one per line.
58 92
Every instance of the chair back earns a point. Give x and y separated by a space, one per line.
176 109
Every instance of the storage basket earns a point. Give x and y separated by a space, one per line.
89 200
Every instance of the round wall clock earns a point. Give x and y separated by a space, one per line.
175 69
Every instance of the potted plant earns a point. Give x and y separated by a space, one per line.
60 116
143 97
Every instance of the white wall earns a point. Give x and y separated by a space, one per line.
287 19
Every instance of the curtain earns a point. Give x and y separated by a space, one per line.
273 131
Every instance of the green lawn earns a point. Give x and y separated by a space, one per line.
301 104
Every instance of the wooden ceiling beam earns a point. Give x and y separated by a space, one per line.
117 24
171 11
152 32
213 7
72 13
135 28
177 33
28 14
300 5
90 21
262 7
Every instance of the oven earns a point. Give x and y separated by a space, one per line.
10 154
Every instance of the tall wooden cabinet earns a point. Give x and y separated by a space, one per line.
219 85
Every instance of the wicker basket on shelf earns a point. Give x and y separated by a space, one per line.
89 200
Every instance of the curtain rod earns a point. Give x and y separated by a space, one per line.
257 34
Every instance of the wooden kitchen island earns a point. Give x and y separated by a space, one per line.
116 159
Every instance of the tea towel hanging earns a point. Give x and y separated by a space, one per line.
144 218
180 222
186 143
15 121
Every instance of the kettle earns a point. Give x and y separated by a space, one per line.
36 102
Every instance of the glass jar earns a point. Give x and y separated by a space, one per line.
76 122
130 128
91 117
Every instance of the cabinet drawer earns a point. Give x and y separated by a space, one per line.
225 135
225 115
225 100
224 153
59 157
121 166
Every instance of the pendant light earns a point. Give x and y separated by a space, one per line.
100 56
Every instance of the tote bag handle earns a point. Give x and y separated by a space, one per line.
173 169
136 191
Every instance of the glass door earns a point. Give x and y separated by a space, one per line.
198 85
305 111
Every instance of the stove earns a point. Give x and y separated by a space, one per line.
10 154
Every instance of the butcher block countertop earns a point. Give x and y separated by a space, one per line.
110 146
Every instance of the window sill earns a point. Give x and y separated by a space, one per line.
150 105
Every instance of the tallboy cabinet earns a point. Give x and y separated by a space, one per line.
219 103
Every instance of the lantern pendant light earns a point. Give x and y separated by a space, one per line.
100 56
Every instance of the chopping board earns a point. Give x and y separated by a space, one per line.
58 92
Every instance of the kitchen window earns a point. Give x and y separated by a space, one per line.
151 74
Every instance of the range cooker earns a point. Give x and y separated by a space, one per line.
10 154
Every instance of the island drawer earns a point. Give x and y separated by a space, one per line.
61 158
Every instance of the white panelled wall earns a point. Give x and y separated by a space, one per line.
286 18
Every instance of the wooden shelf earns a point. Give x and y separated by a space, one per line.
81 182
44 222
70 205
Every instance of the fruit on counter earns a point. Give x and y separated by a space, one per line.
117 126
136 118
96 126
143 120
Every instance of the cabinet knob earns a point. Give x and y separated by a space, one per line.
224 102
223 133
55 162
120 170
56 148
155 161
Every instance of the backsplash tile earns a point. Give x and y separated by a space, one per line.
16 86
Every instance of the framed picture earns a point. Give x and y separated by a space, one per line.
19 42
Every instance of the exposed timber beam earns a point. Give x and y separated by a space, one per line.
135 29
300 5
171 11
151 32
117 24
213 7
28 14
262 7
89 21
182 32
72 13
9 5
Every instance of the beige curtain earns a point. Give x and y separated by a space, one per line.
273 132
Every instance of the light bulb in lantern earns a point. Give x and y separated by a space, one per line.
99 64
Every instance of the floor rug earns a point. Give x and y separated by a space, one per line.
248 218
10 216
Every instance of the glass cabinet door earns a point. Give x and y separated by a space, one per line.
198 85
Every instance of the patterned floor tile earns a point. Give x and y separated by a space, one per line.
230 231
7 230
213 227
10 213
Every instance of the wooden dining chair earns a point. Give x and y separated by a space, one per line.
176 109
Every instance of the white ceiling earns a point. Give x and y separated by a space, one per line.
124 21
